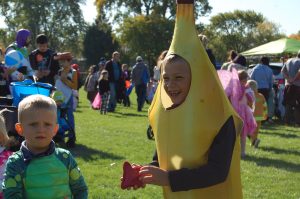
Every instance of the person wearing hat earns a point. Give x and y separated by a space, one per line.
66 83
23 39
140 78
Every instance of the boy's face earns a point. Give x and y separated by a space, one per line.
42 47
177 81
38 127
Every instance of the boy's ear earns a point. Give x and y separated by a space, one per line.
56 129
19 129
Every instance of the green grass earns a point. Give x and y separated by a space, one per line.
104 142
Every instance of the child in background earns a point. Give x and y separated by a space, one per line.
39 169
126 78
245 104
151 88
4 153
67 82
90 84
260 111
103 87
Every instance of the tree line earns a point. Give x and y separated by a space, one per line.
135 27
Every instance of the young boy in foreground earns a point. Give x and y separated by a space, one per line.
39 169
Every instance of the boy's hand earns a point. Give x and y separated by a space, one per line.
154 175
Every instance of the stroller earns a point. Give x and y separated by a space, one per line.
65 128
9 106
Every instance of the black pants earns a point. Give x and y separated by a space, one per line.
141 95
292 104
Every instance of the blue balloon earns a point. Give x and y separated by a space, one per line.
14 58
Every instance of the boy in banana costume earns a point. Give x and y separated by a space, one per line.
196 130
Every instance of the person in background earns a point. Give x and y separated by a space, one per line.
291 72
239 63
90 85
231 56
21 44
101 66
126 76
67 82
103 89
5 78
204 41
245 111
140 78
43 62
4 150
79 85
113 67
263 75
260 111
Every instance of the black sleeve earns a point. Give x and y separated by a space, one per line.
217 167
53 64
32 60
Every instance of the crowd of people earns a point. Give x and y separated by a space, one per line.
110 83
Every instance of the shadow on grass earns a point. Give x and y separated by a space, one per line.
281 134
89 154
119 114
280 164
279 151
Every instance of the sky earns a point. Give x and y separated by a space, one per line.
285 13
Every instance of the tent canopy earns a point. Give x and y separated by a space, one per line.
284 45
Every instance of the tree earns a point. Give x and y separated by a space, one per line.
162 8
60 20
240 31
98 42
146 36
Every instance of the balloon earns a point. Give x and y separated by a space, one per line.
14 58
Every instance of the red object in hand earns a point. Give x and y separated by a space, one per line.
130 175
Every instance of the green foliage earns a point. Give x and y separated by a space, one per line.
240 31
105 141
98 42
60 20
162 8
146 36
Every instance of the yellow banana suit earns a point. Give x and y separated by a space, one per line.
184 134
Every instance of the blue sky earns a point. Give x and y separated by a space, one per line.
287 15
282 12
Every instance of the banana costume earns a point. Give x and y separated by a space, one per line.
184 134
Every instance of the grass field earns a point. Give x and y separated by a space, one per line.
104 142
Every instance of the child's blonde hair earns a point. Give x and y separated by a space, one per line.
124 66
3 128
252 84
34 102
172 58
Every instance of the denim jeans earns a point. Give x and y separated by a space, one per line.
113 96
